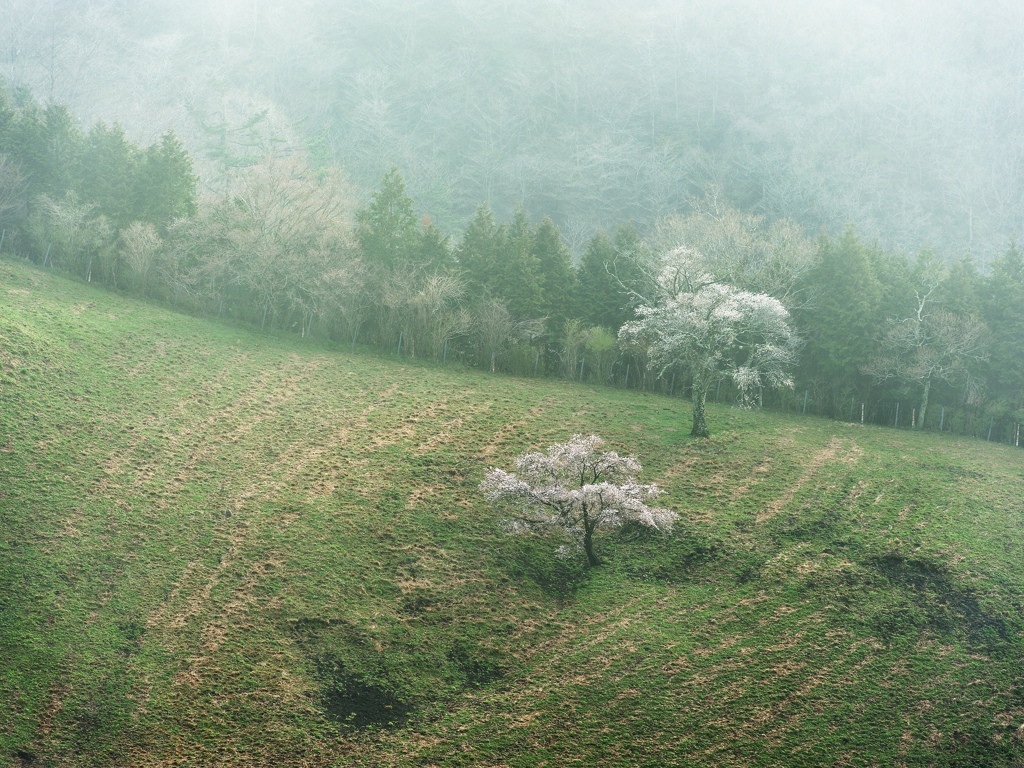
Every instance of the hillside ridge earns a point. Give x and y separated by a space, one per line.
230 548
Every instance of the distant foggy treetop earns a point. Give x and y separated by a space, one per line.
902 118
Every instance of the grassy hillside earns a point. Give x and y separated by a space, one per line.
218 548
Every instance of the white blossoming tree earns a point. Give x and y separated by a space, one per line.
577 490
714 330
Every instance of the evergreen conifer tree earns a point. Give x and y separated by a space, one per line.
841 323
107 171
597 297
516 279
557 276
435 249
165 187
388 231
478 252
610 276
61 151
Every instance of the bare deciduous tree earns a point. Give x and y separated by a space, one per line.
13 188
277 233
496 329
79 239
740 249
929 347
139 246
438 316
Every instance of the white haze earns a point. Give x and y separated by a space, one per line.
905 118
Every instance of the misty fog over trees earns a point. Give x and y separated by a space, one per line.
506 186
282 281
903 119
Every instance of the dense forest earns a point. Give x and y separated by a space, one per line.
288 246
903 118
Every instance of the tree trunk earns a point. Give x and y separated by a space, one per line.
588 546
924 400
588 539
700 394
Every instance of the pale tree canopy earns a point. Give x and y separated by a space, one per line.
13 188
576 489
714 330
930 344
285 233
929 347
740 249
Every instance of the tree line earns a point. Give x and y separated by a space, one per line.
289 247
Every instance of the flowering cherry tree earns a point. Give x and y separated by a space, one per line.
714 330
576 489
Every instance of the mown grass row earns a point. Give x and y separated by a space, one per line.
224 548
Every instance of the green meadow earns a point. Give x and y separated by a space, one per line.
225 548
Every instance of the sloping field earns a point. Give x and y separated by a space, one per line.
218 548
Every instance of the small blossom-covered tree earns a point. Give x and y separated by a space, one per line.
576 489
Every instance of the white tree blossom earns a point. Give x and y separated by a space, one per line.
576 489
714 330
